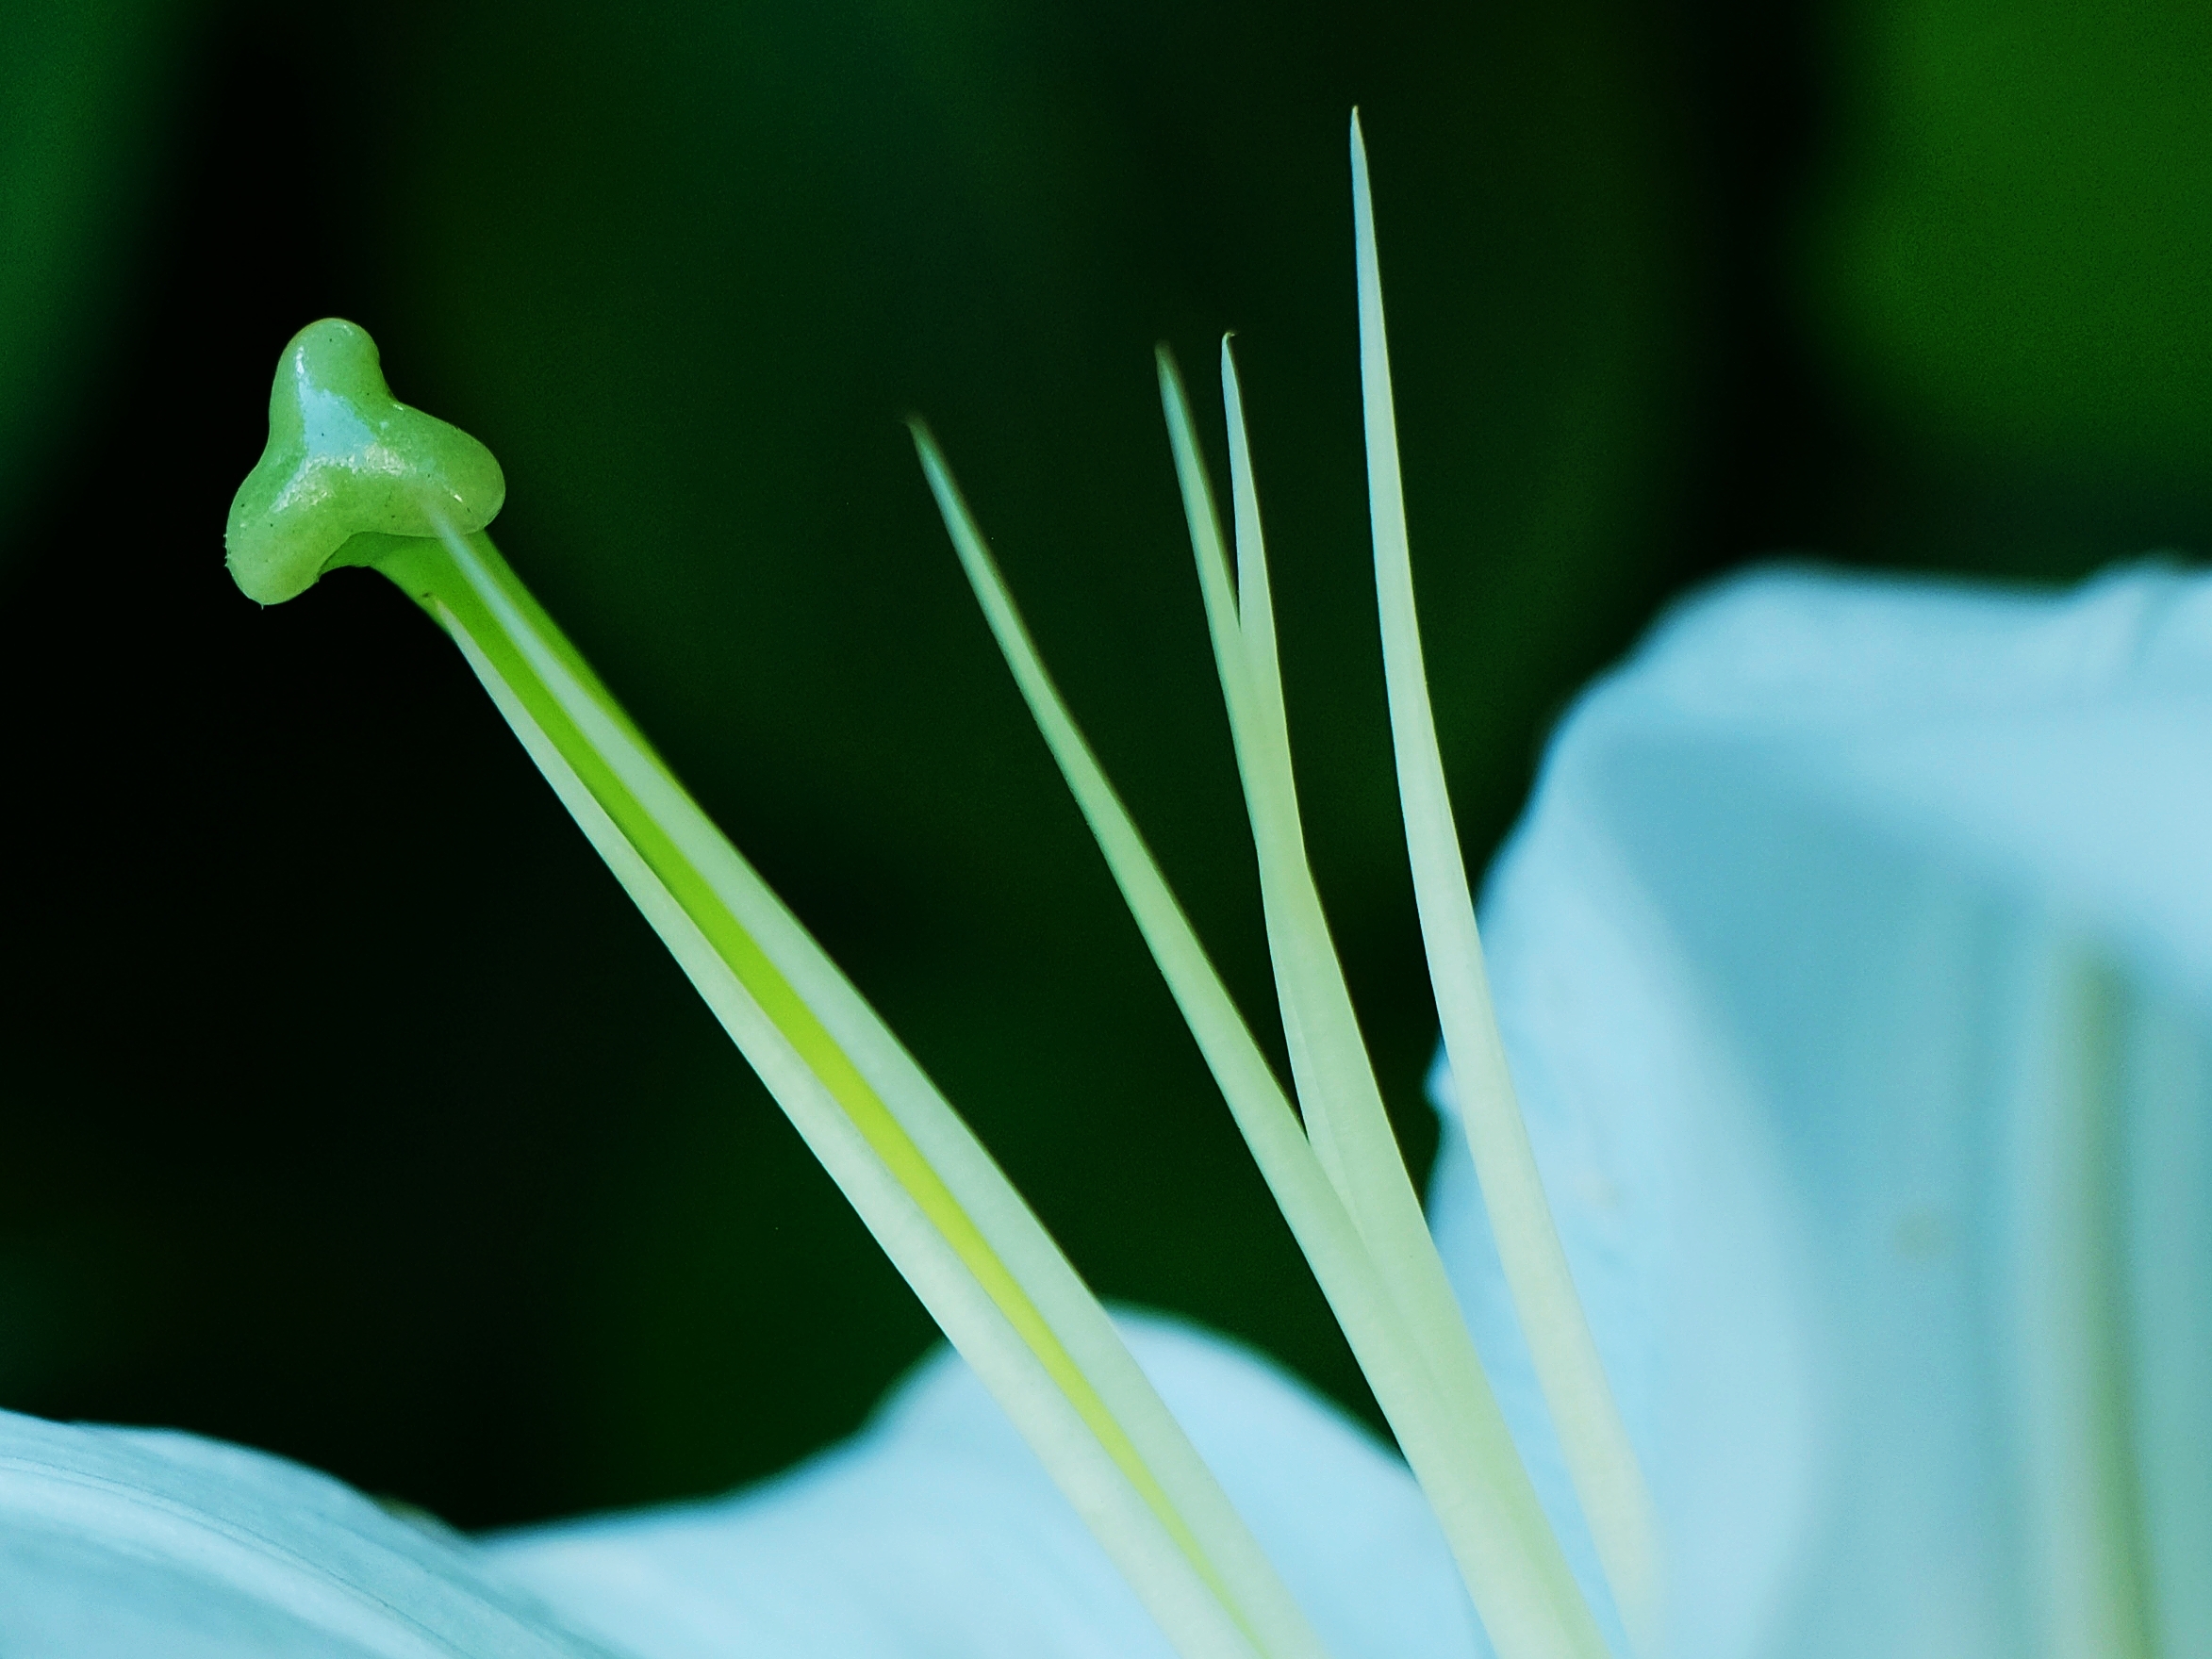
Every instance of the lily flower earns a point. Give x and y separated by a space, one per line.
1848 964
352 477
1851 959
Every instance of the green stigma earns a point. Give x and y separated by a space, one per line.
348 467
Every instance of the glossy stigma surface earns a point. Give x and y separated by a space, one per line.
346 458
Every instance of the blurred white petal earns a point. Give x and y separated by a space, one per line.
936 1532
124 1544
1855 961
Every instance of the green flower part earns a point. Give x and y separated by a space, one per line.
348 465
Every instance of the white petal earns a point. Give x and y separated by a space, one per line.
121 1544
934 1532
1856 962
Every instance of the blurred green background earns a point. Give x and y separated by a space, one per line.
346 1108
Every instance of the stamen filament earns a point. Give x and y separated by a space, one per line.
1337 1093
938 1206
1600 1459
1455 1439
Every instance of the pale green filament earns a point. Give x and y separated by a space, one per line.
1569 1369
1600 1459
1342 1107
942 1212
1415 1348
1454 1437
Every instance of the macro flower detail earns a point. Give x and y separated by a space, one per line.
1807 962
1851 960
352 476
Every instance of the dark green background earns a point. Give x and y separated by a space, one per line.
345 1107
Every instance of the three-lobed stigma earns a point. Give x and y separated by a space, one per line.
348 465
